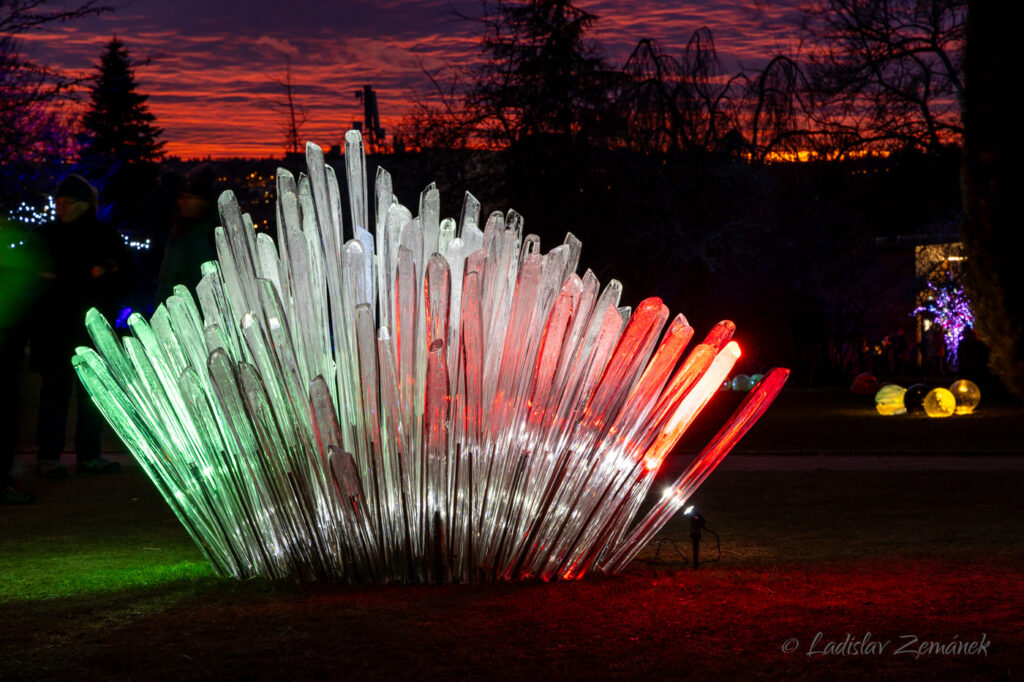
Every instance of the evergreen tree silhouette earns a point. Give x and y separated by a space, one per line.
543 76
121 150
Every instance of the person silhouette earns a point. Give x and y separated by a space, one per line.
191 242
88 267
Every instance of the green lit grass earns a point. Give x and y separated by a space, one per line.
93 536
32 577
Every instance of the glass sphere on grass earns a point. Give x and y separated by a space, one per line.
889 400
939 402
742 382
913 399
967 395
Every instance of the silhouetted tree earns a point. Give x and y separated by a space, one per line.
889 71
870 74
440 121
993 186
35 134
782 116
542 76
542 95
678 104
121 147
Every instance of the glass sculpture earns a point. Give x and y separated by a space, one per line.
889 400
742 382
967 395
864 384
428 401
939 402
913 399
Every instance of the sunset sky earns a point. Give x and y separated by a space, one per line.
214 67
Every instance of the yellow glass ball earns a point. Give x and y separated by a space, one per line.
967 395
939 402
889 400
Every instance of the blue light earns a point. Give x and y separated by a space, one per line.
122 318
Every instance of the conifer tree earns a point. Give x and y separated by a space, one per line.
122 151
543 76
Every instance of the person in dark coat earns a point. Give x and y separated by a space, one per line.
973 357
88 267
191 242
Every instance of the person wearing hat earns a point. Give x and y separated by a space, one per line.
191 242
88 267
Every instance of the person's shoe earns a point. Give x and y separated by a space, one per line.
11 494
99 465
51 468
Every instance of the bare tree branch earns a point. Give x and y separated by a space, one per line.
34 122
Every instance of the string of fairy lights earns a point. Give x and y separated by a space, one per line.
34 215
30 216
136 243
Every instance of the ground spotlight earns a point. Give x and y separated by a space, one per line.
697 523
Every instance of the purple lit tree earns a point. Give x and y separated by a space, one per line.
951 309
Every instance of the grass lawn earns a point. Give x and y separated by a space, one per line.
98 581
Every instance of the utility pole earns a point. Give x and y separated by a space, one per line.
296 116
370 125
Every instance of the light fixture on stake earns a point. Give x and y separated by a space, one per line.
697 524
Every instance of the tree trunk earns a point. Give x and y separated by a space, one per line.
993 192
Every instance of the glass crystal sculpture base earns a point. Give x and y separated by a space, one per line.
424 401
